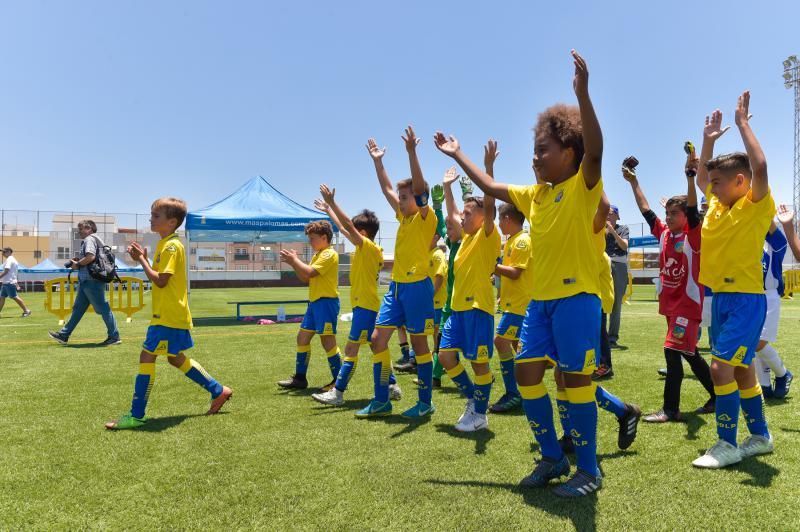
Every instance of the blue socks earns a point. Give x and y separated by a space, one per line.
753 408
582 409
301 362
507 369
727 411
481 392
141 388
194 371
425 377
539 412
610 402
381 372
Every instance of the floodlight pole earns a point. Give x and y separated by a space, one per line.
791 80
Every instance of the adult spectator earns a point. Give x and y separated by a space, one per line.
8 282
617 248
90 290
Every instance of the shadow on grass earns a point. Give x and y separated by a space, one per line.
774 402
481 437
351 405
761 474
787 429
294 392
159 424
86 345
694 422
219 321
582 512
409 425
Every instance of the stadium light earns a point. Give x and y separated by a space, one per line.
791 80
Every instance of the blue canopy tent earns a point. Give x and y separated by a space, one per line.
256 212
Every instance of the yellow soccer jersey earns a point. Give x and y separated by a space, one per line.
326 284
365 265
606 284
438 266
733 244
171 303
412 246
563 256
473 268
515 294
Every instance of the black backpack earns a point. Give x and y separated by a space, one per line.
104 266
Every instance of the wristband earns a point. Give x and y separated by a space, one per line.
421 199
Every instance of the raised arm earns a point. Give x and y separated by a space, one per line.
712 131
638 194
691 170
437 199
450 147
490 155
592 134
383 178
786 218
417 179
329 206
453 214
758 162
601 215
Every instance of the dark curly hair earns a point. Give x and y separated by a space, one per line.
562 123
320 227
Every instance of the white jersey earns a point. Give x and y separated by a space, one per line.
12 266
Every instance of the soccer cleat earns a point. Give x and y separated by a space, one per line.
332 397
111 341
473 422
375 409
767 392
662 416
126 422
507 403
722 454
782 385
469 408
220 400
602 372
419 411
408 367
437 383
395 393
628 424
26 313
58 337
709 408
546 470
566 444
328 386
755 445
295 382
662 372
580 485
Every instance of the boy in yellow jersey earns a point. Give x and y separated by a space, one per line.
409 301
515 294
470 327
740 210
168 333
322 276
627 414
562 322
365 265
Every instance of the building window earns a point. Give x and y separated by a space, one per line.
241 267
37 254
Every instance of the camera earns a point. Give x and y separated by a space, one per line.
68 264
630 163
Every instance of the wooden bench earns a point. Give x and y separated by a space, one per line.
240 304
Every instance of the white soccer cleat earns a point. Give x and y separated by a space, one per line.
332 397
468 409
395 393
473 422
722 454
755 445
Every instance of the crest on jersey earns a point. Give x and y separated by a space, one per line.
559 196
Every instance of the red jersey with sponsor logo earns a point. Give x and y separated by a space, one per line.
679 289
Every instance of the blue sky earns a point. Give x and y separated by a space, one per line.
112 104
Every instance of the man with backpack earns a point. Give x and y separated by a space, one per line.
91 291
